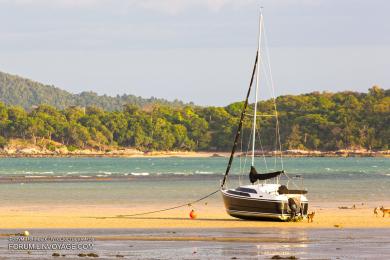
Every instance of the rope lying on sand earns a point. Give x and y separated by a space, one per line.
176 207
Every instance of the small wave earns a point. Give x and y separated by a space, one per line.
140 173
203 172
71 173
37 173
34 176
106 173
182 173
85 176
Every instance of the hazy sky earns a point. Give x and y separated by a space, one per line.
195 50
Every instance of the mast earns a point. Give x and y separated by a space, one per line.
257 89
239 128
239 125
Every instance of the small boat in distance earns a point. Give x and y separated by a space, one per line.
265 196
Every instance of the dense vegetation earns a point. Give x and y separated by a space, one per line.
18 91
320 121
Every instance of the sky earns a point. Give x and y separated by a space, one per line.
195 50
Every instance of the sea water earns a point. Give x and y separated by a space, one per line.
126 181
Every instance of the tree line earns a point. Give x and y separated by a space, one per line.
316 121
19 91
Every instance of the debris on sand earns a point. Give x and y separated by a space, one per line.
285 257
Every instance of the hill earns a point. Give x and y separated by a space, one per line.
314 121
19 91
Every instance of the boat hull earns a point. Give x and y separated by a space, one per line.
253 208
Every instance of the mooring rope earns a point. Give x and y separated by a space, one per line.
172 208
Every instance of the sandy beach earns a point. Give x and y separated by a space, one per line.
18 148
208 216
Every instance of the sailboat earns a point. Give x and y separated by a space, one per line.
265 197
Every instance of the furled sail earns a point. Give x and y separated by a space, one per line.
254 176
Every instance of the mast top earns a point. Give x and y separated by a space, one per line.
257 89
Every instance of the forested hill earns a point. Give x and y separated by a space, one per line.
19 91
314 121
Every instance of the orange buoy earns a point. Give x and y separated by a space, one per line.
192 214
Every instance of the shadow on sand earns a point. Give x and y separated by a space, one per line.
185 219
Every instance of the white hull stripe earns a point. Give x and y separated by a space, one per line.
249 198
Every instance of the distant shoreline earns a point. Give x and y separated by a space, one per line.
19 148
132 153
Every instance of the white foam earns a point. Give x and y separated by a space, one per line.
203 172
70 173
139 173
181 173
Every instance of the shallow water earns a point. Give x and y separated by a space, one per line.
304 244
126 181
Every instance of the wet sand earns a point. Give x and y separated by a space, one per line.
251 243
212 215
334 234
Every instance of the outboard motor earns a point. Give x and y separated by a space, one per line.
294 206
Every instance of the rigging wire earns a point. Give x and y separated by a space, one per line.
241 172
274 98
268 83
247 149
262 150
